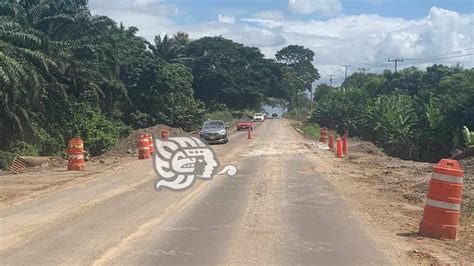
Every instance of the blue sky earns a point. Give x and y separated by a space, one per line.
361 33
205 10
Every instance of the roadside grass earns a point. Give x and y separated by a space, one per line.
312 130
230 117
294 115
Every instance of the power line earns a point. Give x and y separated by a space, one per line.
363 69
396 62
330 80
442 58
346 66
440 55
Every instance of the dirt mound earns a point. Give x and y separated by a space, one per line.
365 147
129 145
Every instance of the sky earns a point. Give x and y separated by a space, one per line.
363 34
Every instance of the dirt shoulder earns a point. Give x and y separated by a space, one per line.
388 195
34 182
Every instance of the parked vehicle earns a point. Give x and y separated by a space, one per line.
244 123
258 117
214 131
274 115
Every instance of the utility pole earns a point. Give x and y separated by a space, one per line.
396 62
346 66
330 80
363 69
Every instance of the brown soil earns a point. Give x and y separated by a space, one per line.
128 146
389 194
33 182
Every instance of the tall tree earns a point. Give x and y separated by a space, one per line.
300 72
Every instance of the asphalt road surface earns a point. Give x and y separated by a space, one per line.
276 210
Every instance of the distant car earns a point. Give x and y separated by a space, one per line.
244 123
214 131
274 115
258 117
265 114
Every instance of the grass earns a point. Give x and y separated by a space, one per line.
230 117
312 130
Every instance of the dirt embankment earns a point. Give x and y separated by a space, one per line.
35 181
389 193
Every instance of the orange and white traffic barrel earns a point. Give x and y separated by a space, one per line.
150 140
443 201
144 147
76 160
323 135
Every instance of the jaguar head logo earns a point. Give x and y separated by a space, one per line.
179 161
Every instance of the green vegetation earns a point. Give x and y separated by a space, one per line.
468 137
64 72
312 130
230 117
412 114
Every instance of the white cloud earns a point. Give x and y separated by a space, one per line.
269 15
362 40
226 19
323 7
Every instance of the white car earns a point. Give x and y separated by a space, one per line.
258 117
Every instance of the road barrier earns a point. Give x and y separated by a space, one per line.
150 143
144 147
339 147
323 135
331 141
75 153
443 201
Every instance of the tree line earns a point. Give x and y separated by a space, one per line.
65 72
413 114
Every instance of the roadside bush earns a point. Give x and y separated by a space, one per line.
17 148
98 132
412 114
296 115
312 130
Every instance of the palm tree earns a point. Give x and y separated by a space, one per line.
23 66
171 49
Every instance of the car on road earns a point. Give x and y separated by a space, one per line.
274 115
244 123
258 117
214 131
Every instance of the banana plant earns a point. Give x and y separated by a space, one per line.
469 137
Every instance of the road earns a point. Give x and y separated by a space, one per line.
277 210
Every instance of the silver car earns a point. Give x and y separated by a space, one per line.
214 131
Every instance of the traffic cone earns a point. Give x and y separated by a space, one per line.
443 201
339 147
331 141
